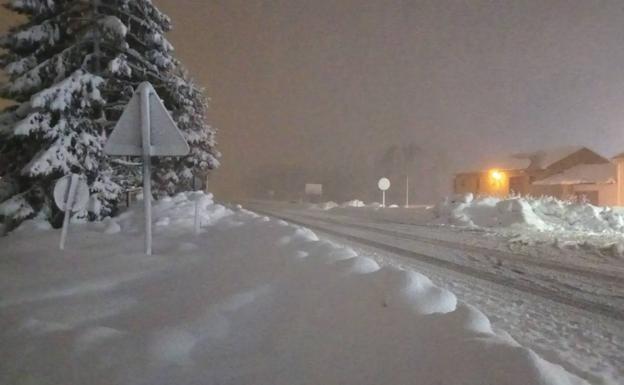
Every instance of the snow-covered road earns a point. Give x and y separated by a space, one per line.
570 312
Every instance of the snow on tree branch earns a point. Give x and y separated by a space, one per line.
72 67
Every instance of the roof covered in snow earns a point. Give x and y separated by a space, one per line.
545 158
604 173
540 159
501 163
510 163
619 156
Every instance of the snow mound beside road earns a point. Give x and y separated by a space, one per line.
324 206
353 203
330 205
541 214
251 300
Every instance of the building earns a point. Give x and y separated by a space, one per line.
576 173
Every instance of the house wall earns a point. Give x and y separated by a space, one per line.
620 181
522 181
481 183
557 191
466 183
607 193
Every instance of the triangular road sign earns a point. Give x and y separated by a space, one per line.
126 137
165 137
146 129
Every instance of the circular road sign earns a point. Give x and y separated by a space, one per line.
61 194
383 184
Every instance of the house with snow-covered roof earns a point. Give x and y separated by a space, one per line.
572 172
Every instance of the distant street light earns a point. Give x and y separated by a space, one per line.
497 177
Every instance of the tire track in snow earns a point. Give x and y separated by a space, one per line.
498 254
521 285
515 263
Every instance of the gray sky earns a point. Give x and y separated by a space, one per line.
325 86
318 89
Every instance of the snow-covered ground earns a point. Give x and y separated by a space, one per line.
565 302
250 300
545 227
544 214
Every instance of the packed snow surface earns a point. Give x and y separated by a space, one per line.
543 214
332 205
548 221
354 203
463 210
251 300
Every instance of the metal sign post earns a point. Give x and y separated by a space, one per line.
71 193
383 185
146 129
147 166
197 223
196 198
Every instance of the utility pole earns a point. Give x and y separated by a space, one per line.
406 191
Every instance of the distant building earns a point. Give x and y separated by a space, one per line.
313 192
566 173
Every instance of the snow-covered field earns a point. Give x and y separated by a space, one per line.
250 300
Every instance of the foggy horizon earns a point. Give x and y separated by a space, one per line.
319 92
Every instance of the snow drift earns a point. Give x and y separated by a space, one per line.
330 205
542 214
251 300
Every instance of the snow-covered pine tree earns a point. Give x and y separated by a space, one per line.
72 67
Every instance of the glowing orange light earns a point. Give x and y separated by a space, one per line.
496 175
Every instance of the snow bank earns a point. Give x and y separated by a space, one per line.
332 205
393 213
353 203
323 206
542 214
251 300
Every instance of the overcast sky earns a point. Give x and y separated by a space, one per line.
318 89
325 86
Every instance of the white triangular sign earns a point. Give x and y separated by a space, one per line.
165 137
126 137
